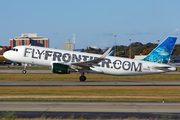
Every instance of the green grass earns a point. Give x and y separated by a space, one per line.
92 90
178 69
94 99
90 77
92 93
2 58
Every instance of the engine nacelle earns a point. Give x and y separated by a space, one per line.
60 68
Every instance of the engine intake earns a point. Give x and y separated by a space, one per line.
60 68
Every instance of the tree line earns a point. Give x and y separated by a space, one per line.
133 49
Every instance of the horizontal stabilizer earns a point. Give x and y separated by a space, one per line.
162 68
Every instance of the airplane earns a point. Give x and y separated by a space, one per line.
64 61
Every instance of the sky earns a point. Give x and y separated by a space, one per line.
94 22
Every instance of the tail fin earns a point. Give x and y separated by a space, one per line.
162 52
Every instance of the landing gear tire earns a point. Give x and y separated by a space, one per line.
24 71
25 66
82 78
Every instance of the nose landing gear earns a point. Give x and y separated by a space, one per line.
24 71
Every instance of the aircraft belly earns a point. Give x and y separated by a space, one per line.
119 72
42 62
122 72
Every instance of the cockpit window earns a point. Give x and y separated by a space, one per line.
14 49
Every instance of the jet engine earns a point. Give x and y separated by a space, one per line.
60 68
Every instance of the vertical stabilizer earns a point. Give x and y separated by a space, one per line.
162 52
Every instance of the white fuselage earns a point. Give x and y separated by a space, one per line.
111 65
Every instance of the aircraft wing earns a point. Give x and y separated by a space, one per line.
87 64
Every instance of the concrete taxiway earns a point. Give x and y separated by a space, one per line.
92 110
137 107
90 83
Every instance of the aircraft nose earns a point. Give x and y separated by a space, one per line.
6 55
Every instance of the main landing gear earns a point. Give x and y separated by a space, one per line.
24 71
82 78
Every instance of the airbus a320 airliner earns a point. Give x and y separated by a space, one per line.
64 61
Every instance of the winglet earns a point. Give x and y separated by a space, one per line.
111 53
106 53
92 62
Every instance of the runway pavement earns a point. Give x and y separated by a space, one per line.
94 115
141 107
90 83
86 108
